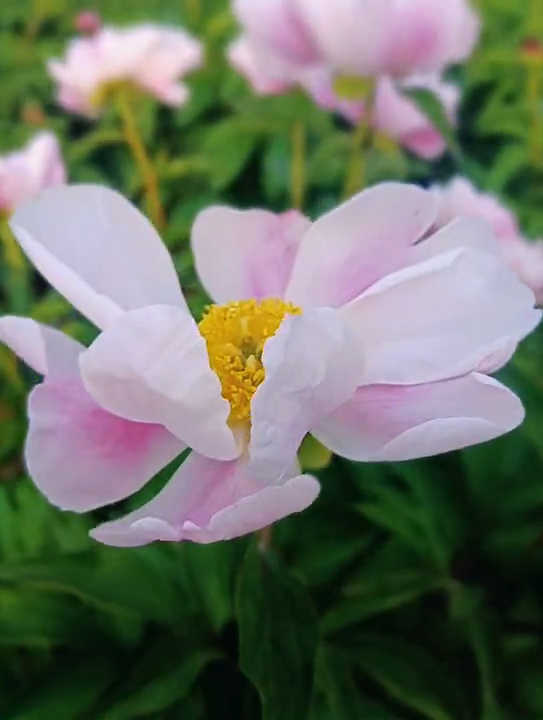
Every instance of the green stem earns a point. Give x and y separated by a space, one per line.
362 141
147 171
297 173
18 275
193 9
264 538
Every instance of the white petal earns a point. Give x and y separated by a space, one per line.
402 422
441 318
311 367
351 247
243 254
97 250
152 366
206 501
44 349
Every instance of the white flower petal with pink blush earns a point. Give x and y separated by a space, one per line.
440 318
372 37
153 58
460 198
206 501
152 366
23 174
402 422
525 258
324 327
266 74
98 251
312 365
348 249
246 254
397 116
80 456
278 25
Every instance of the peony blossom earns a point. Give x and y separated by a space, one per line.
394 115
364 37
88 22
347 328
398 116
23 174
525 257
149 57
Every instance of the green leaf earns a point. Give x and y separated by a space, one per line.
429 103
227 148
409 674
68 690
344 698
162 676
278 636
377 591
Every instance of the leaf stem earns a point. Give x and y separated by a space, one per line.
18 275
147 171
362 141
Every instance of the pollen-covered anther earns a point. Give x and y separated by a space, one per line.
235 335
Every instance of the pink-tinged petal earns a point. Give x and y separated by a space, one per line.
246 253
440 318
525 258
460 198
311 368
464 232
276 24
253 62
152 366
79 455
97 250
372 37
44 349
351 247
82 457
402 422
45 164
207 501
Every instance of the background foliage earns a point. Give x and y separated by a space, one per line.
408 591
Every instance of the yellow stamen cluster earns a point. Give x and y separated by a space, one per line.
235 335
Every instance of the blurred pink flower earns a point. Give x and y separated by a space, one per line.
364 37
265 72
348 328
150 57
395 114
88 22
23 174
461 198
398 116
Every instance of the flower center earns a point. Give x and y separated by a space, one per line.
235 336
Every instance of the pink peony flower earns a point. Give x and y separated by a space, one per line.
265 72
364 37
395 114
398 116
88 22
23 174
461 198
348 328
150 57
